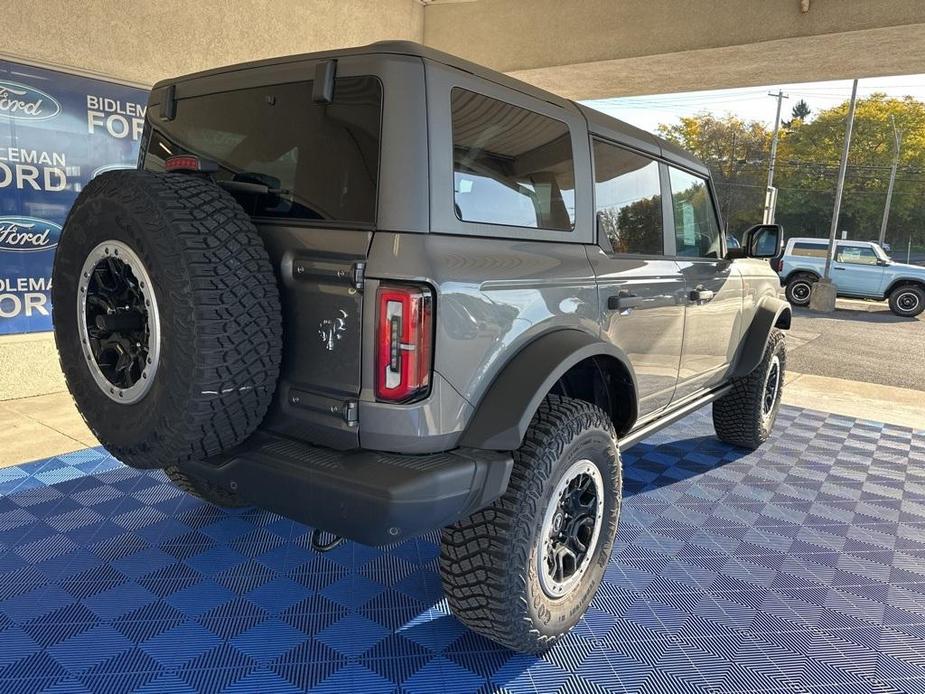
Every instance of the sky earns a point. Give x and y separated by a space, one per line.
751 103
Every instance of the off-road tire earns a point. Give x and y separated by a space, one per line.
797 285
219 308
203 489
738 416
488 562
903 293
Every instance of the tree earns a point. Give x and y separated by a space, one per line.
799 114
808 166
736 152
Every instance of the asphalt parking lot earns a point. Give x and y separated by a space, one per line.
873 346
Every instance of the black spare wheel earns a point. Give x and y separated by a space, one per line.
167 317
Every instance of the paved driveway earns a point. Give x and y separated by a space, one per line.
874 347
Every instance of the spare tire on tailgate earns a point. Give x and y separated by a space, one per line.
167 317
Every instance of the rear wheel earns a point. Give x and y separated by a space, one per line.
799 289
167 317
523 571
907 300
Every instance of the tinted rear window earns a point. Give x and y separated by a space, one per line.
320 161
809 250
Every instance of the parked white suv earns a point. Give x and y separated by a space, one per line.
860 269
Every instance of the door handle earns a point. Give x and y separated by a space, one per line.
839 268
701 295
623 301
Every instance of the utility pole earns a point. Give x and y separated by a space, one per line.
897 143
823 292
770 200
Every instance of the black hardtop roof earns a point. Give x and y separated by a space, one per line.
598 123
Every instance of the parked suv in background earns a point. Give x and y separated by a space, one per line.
860 269
384 291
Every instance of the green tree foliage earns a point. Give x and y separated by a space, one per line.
736 152
799 113
807 168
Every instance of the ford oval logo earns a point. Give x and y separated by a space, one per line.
28 234
22 102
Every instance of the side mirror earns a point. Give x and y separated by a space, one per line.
764 241
883 262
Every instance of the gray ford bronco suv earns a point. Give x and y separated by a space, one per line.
384 291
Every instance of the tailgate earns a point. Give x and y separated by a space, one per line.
320 274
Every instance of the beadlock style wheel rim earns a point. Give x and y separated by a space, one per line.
571 529
771 387
907 301
118 322
800 291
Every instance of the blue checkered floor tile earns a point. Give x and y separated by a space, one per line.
800 567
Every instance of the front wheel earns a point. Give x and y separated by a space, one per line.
745 415
523 570
907 301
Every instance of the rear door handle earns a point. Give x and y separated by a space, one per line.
624 300
701 295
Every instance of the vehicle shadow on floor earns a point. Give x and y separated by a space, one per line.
650 466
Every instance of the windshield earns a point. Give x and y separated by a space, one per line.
289 156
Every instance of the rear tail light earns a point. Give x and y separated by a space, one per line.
404 335
189 162
778 264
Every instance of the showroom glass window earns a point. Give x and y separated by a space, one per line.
511 166
696 227
318 162
855 255
628 200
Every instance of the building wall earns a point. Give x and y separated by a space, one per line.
143 41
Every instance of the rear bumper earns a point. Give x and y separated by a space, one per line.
366 496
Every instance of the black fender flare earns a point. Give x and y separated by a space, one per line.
502 416
900 281
771 312
800 271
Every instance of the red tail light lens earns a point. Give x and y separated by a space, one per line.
779 264
404 342
189 162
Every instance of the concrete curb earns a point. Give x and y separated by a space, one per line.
872 401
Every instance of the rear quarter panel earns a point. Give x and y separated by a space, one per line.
493 296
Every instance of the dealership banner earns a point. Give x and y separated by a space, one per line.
57 131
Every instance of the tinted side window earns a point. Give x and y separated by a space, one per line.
319 161
696 227
856 255
628 200
809 250
511 166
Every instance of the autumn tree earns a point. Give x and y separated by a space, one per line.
808 167
736 152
